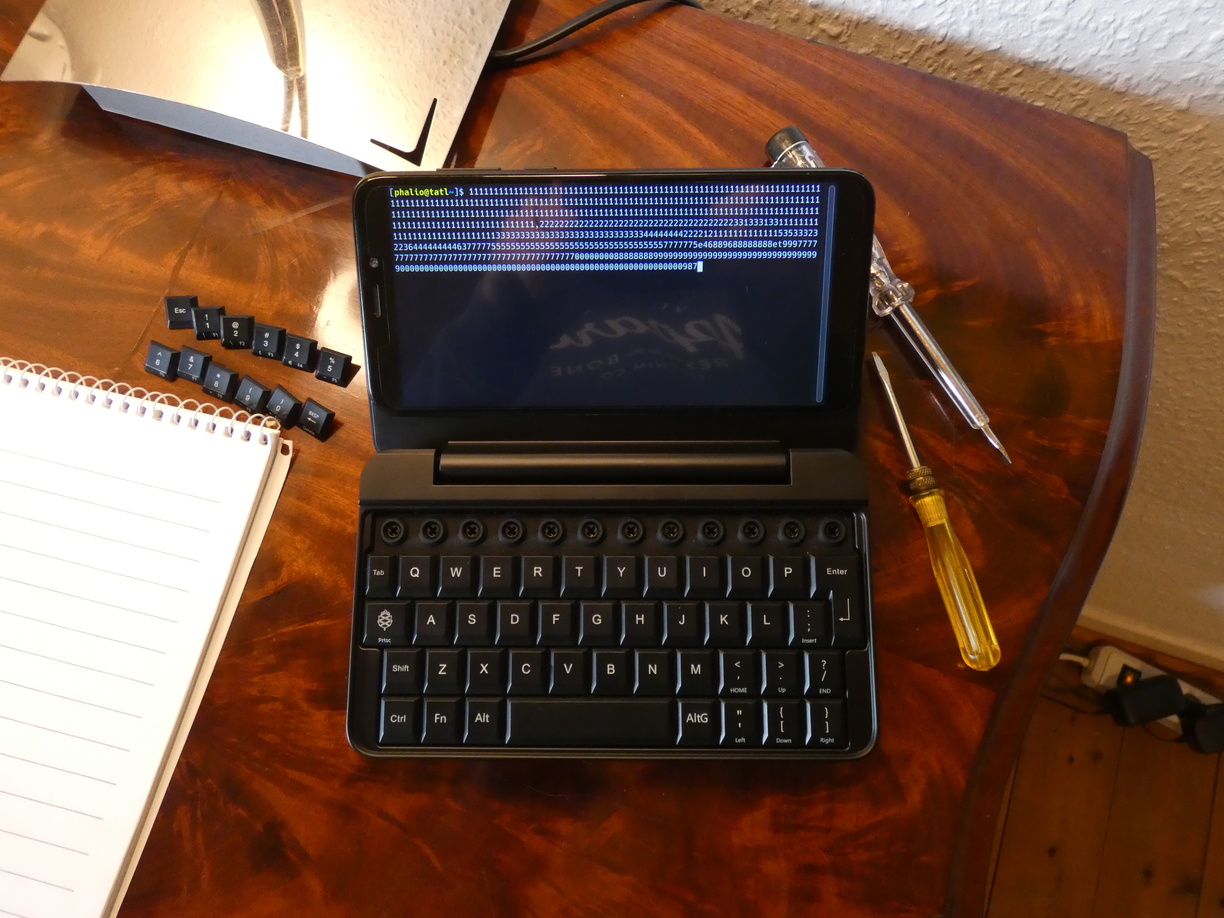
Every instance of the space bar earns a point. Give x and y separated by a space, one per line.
591 722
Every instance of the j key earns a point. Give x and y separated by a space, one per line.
827 724
444 721
727 624
705 577
746 576
444 672
697 672
400 722
539 575
386 624
826 674
741 723
683 625
592 722
569 673
783 673
641 625
811 623
842 577
486 672
662 577
402 672
785 723
514 624
474 623
415 577
557 623
578 576
497 577
378 576
738 672
699 723
433 623
768 625
611 671
621 576
528 672
597 624
788 578
456 576
653 669
486 724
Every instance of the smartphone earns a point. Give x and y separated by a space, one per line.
614 304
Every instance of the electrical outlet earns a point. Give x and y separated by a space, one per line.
1107 666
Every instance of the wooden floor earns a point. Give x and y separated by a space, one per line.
1110 822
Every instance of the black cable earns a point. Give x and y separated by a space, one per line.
509 56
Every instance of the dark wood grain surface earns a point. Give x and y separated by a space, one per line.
1029 238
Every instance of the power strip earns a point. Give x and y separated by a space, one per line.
1108 667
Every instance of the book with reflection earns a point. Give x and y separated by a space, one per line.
128 525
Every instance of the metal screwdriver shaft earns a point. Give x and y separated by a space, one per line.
978 646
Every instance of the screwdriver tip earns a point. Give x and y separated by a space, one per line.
996 442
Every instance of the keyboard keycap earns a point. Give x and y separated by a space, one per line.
812 623
557 623
474 623
621 576
726 624
842 577
662 577
497 577
444 721
400 722
379 581
402 672
827 724
611 671
485 722
386 624
683 625
704 577
788 578
597 624
746 577
785 724
579 577
640 624
697 672
528 672
783 673
739 673
415 577
486 672
433 624
444 672
741 723
825 674
644 722
569 673
514 625
699 723
768 625
653 671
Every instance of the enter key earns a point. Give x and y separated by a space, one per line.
843 578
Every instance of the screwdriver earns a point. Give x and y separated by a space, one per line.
978 646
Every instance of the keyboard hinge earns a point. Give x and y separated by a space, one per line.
614 462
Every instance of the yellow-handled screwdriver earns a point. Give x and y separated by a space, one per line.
974 633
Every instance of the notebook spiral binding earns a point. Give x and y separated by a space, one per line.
110 394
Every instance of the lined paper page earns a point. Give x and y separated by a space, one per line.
118 538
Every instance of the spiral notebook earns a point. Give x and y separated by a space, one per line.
128 524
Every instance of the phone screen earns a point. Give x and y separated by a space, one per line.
656 291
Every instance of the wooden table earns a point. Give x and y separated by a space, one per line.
1030 239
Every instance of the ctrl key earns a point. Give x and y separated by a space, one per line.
401 722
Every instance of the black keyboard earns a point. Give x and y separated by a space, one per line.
614 634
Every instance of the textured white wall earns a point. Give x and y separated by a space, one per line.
1154 69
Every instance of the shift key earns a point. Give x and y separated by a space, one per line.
843 578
